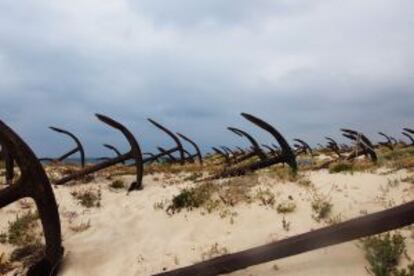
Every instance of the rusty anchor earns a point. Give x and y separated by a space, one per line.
303 147
408 133
134 153
197 149
286 155
78 148
178 146
363 145
34 183
388 143
256 150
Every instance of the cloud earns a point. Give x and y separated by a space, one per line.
308 67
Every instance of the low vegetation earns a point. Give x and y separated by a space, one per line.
88 197
287 206
81 227
117 184
5 264
211 195
321 206
283 174
214 251
193 176
190 198
383 253
265 197
285 224
23 230
341 166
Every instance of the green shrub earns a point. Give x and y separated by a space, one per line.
21 230
383 253
286 207
88 198
322 207
191 198
340 167
117 184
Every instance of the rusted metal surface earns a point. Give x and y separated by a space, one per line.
134 153
364 145
165 152
388 143
228 150
353 229
197 149
178 147
257 151
333 145
8 163
286 155
222 154
271 150
151 156
114 149
304 146
409 137
34 183
409 130
78 148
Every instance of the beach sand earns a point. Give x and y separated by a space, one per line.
130 235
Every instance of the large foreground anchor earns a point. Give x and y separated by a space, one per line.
78 148
134 154
286 154
34 183
372 224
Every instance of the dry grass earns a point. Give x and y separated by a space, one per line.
213 195
287 206
321 205
88 197
5 264
383 253
265 197
214 251
283 174
341 166
24 230
117 184
81 227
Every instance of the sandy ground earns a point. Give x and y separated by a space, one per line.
128 236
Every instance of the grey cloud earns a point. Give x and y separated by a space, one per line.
308 67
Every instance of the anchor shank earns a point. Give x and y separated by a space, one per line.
95 168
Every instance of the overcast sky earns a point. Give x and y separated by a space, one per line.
308 67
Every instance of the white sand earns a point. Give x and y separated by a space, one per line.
129 237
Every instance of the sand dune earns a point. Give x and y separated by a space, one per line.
129 235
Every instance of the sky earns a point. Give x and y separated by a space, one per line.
308 67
